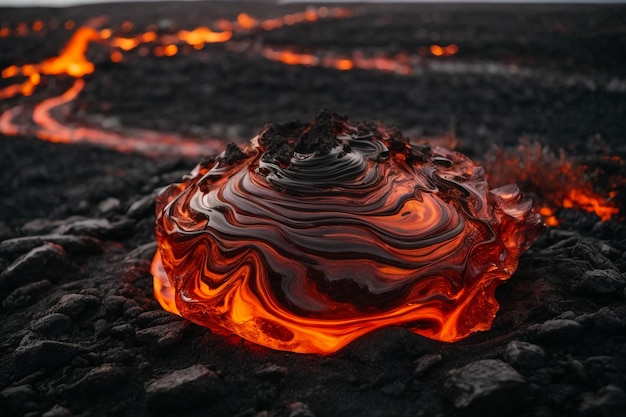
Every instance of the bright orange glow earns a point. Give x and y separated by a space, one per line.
590 202
11 71
34 78
170 50
436 50
54 131
546 211
163 291
148 37
203 35
310 15
551 221
449 50
399 64
116 56
131 43
291 58
313 269
28 69
71 61
5 32
344 64
245 21
125 43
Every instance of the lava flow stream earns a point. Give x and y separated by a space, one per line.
36 113
38 119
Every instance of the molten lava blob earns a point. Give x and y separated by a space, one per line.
316 234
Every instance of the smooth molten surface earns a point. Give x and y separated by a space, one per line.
316 234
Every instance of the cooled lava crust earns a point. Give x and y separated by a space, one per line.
315 234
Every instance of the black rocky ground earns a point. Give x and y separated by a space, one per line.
81 334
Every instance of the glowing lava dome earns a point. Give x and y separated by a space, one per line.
316 234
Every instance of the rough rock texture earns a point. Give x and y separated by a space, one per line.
524 355
183 389
488 383
80 331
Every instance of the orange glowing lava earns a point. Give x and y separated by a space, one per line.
449 50
73 61
316 234
558 181
399 64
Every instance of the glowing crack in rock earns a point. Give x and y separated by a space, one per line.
316 234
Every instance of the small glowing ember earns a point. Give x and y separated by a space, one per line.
316 234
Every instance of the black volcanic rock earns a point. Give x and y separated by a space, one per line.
608 401
426 362
604 320
142 206
488 384
50 324
19 399
601 282
388 343
99 381
26 295
73 305
559 330
73 244
40 354
524 355
48 261
184 389
97 227
163 335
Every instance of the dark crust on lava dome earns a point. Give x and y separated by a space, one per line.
282 140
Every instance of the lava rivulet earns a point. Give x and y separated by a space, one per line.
74 62
316 234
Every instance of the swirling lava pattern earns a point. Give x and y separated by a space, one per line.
316 234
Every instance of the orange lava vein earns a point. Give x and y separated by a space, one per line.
150 143
400 65
71 61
